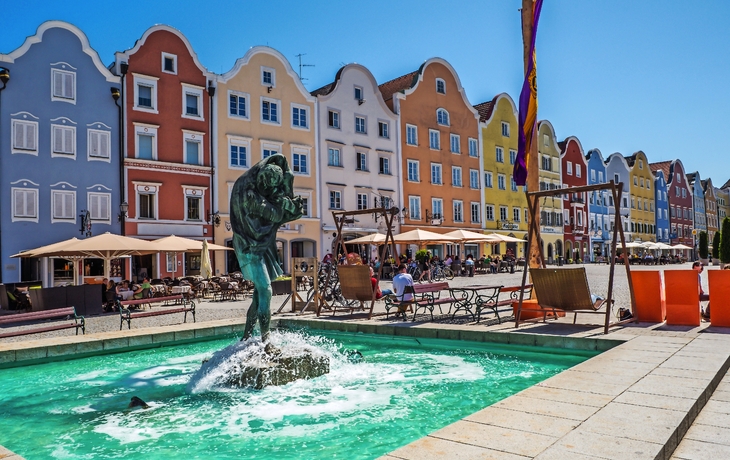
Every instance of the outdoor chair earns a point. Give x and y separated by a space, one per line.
719 281
355 284
682 292
651 304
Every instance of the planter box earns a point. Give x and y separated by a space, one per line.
281 287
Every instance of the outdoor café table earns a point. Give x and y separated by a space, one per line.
126 295
475 298
158 290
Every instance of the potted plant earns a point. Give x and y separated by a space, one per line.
716 249
281 285
725 241
704 247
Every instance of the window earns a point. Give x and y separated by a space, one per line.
547 163
436 174
455 143
268 76
146 205
171 259
600 176
299 163
64 86
569 168
641 182
333 119
456 176
411 135
516 214
145 93
358 94
545 140
270 111
333 157
684 193
512 157
440 86
615 179
513 184
299 117
641 164
169 63
269 150
458 211
193 208
527 215
413 175
383 129
144 96
434 139
25 204
193 148
442 117
384 165
99 205
473 148
64 140
64 205
238 148
335 199
437 208
636 181
25 136
414 207
475 218
488 179
474 178
360 125
505 129
362 201
593 175
499 153
489 212
98 144
362 161
305 204
503 213
578 171
146 142
501 181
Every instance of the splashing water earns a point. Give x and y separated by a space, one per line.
401 390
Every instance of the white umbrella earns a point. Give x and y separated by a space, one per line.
629 245
680 246
419 236
663 246
467 235
205 268
497 238
373 238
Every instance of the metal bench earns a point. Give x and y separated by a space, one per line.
430 297
68 312
181 305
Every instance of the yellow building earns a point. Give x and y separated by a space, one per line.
551 209
262 108
723 205
641 193
505 204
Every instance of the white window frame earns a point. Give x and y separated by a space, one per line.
302 152
512 156
355 91
383 129
505 129
384 159
239 95
147 188
473 147
488 179
99 196
455 141
474 179
414 212
196 193
171 262
278 110
364 124
456 171
145 80
68 73
239 141
56 194
417 169
338 193
273 76
414 129
102 135
174 63
192 90
437 167
361 165
198 138
460 205
24 218
438 203
72 132
361 201
307 110
338 115
145 130
434 134
569 168
475 206
339 156
443 85
276 147
513 184
499 154
516 214
501 182
489 212
305 195
503 213
14 149
439 111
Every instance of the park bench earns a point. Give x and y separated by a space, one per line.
68 312
181 305
426 296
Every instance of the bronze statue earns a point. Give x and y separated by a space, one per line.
261 201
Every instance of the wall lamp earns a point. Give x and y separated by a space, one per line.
123 208
4 76
214 218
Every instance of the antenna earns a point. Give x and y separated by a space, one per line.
299 56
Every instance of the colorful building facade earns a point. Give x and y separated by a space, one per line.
711 218
551 209
59 155
680 203
641 189
662 208
723 204
699 216
264 109
617 170
574 168
505 208
599 222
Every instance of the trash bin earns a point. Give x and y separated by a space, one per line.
560 261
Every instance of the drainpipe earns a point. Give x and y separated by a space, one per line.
4 77
211 94
123 67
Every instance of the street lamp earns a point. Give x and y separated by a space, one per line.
123 208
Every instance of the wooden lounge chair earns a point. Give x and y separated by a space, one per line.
355 284
683 297
719 281
564 289
651 304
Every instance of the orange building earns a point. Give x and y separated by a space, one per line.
439 137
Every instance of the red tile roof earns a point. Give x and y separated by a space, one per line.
398 84
662 166
485 110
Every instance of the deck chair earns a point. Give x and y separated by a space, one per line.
683 297
719 281
651 304
564 289
355 284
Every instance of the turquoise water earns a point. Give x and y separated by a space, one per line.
401 391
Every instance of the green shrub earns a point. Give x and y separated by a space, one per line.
703 245
421 255
716 246
725 241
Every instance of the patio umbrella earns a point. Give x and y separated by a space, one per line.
680 246
373 238
663 246
38 252
630 245
497 238
421 237
466 235
174 243
205 268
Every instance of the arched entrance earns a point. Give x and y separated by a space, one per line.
558 248
549 252
569 249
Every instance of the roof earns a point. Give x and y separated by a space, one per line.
485 109
726 184
662 166
631 159
397 85
328 88
692 177
561 145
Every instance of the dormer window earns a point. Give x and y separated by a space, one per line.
440 86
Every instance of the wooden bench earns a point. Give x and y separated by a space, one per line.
514 296
426 296
79 321
182 305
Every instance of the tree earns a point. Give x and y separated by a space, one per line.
725 241
716 246
703 245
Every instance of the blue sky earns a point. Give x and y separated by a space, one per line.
621 75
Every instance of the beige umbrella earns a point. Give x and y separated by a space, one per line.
205 268
421 237
630 245
497 238
38 252
681 246
373 238
174 243
466 235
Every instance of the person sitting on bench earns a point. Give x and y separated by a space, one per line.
697 266
376 286
400 281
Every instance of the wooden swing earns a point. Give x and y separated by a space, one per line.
560 286
354 280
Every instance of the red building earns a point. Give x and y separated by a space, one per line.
574 172
679 196
167 161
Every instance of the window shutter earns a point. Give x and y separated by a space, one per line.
68 85
94 143
30 137
58 84
18 203
104 207
30 204
104 145
68 205
57 139
57 205
94 206
19 141
68 140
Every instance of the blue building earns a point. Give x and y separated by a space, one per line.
599 227
699 216
59 151
662 208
